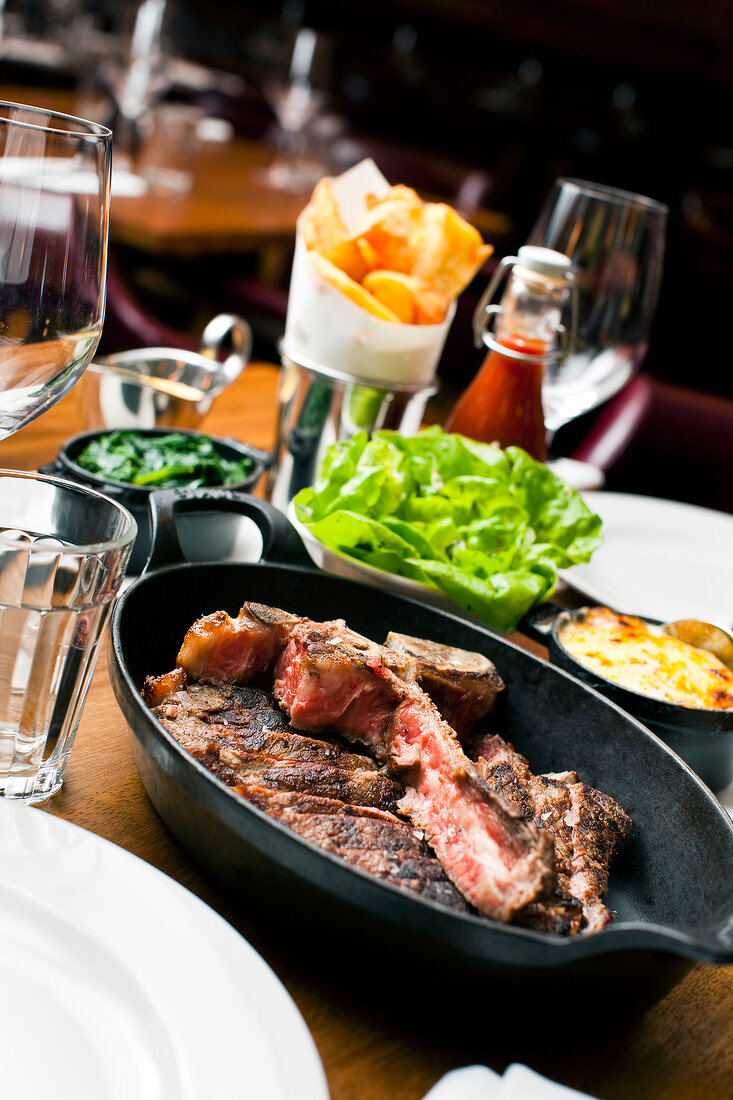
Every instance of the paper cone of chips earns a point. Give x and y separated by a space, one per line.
375 276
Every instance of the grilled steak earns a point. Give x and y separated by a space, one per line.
328 796
329 677
225 650
462 685
497 830
157 688
588 828
294 765
248 720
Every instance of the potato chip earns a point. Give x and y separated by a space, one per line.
387 229
341 281
324 232
406 259
431 307
395 291
447 251
368 254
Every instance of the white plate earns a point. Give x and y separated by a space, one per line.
116 982
660 559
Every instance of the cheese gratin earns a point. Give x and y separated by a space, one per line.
637 655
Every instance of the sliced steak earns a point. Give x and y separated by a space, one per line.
156 689
372 839
220 649
599 828
462 685
357 786
330 677
390 852
346 831
588 828
300 802
248 720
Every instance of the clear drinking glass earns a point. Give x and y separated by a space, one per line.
63 554
615 241
54 212
295 90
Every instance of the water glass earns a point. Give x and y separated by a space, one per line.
170 144
63 554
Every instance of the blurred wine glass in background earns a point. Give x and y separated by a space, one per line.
295 88
137 75
54 214
615 241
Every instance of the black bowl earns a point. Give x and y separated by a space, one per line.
136 498
701 736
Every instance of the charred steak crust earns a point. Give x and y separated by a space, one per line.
463 685
337 800
588 828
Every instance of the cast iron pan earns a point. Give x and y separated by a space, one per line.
703 738
672 887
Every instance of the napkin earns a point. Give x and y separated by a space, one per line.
518 1083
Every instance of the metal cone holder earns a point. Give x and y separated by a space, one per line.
318 406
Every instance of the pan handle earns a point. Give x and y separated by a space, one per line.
280 540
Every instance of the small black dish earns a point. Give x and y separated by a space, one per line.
702 737
136 497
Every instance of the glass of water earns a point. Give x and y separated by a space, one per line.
63 554
615 241
54 212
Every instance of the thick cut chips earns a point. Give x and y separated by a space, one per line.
325 233
406 259
388 227
407 297
352 290
447 250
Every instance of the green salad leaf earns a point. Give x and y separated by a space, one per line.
162 461
490 528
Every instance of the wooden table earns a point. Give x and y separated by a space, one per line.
231 207
682 1049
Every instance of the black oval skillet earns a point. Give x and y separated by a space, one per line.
672 887
701 736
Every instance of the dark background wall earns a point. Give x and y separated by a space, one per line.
632 94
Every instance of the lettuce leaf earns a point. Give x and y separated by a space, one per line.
489 528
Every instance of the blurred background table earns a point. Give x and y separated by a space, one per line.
387 1047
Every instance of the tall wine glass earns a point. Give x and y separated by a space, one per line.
137 75
294 87
54 214
615 241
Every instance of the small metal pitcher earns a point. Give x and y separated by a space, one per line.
165 387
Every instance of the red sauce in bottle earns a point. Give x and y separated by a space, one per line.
503 404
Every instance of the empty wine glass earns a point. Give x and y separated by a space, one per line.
54 213
137 75
295 90
615 241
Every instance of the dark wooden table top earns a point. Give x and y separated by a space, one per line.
231 208
681 1049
